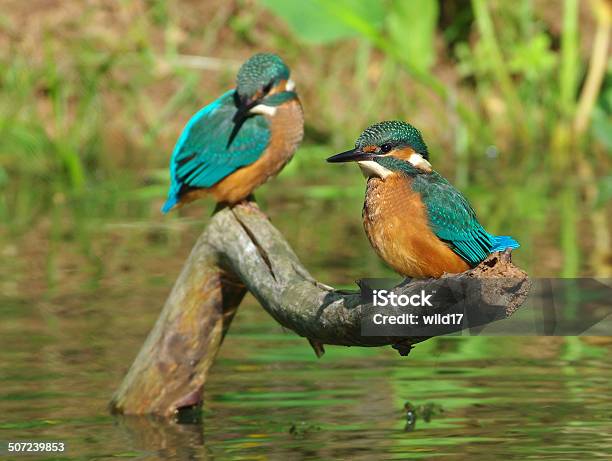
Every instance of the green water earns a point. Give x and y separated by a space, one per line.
89 116
269 398
74 312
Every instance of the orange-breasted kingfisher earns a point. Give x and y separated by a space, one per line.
417 222
237 142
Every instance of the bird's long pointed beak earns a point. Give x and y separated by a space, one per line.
243 111
349 156
240 117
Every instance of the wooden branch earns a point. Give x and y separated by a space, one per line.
241 250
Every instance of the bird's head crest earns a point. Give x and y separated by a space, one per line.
386 147
392 135
259 74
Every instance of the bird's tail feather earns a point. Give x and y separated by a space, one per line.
501 242
172 200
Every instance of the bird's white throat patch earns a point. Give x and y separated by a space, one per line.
370 169
263 110
418 161
290 85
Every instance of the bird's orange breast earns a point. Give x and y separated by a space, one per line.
287 130
396 223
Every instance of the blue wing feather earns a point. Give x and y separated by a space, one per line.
454 221
202 157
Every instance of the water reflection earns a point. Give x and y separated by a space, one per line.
268 397
164 439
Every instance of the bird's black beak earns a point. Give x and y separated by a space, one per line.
244 106
241 115
349 156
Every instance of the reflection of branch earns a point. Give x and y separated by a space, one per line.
241 250
596 72
169 439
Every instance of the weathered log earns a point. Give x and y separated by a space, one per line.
241 250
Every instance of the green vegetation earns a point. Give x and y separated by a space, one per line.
515 102
509 97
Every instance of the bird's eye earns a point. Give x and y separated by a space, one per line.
385 148
267 88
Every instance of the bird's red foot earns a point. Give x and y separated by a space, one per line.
250 204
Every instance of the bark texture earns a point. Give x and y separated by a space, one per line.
241 250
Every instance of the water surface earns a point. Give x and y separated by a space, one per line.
269 398
73 316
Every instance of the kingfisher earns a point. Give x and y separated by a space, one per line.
415 220
234 144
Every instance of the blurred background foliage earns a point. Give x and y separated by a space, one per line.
513 98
